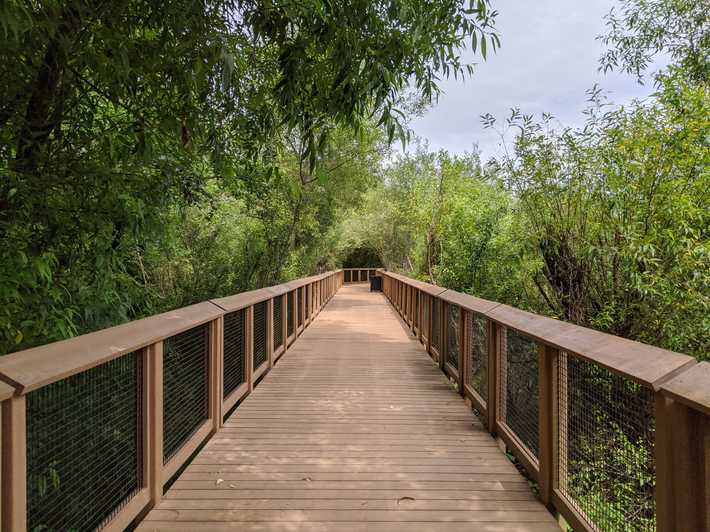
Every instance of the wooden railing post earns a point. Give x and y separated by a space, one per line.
270 332
153 433
14 464
443 333
463 349
682 450
548 420
307 300
215 369
495 333
430 309
249 347
311 301
284 321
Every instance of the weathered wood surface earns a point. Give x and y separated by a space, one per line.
355 429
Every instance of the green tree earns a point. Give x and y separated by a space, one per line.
134 134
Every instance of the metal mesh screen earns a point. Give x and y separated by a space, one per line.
278 322
84 446
607 426
346 275
478 354
452 337
435 326
289 314
233 370
300 306
185 387
519 401
259 334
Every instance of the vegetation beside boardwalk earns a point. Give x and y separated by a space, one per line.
155 156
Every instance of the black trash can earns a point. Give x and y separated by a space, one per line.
375 283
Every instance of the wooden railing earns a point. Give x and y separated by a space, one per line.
95 426
357 275
615 433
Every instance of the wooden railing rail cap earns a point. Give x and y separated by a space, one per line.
425 287
297 283
643 363
468 302
692 387
36 367
244 299
39 366
646 364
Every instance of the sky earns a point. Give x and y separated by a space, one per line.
548 59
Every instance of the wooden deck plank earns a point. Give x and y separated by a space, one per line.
355 429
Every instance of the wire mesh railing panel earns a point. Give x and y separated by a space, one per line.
234 347
521 392
452 336
278 322
260 354
435 325
347 276
84 446
289 313
185 387
606 446
300 306
478 354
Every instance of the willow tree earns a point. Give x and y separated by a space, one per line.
115 115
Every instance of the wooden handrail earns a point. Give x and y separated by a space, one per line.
26 371
681 388
691 388
646 364
39 366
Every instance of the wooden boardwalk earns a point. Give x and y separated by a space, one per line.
355 429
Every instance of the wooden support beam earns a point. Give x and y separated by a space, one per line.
270 332
284 321
682 466
216 362
548 420
153 434
249 347
14 464
496 375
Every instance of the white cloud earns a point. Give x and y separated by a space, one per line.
549 58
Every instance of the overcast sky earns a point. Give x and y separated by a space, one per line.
549 58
